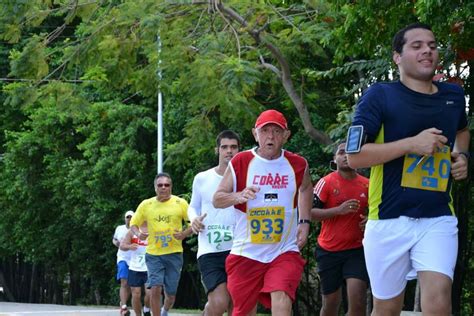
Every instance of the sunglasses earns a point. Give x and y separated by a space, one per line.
129 216
161 185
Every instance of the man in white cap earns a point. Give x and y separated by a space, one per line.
270 189
123 261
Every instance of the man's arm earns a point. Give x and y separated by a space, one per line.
194 209
371 154
305 201
349 206
225 197
137 232
305 197
180 235
463 138
126 243
459 166
115 241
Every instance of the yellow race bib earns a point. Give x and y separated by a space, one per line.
266 224
163 238
427 172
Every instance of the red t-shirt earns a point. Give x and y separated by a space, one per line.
342 232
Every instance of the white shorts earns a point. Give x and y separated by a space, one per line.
396 249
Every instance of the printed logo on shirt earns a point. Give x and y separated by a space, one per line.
449 102
163 219
270 197
276 181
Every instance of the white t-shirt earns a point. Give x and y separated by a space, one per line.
219 223
120 232
137 257
266 226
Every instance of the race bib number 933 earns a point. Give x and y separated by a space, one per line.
266 224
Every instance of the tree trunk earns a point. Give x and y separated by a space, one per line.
31 298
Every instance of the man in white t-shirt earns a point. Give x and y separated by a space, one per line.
214 226
137 270
270 189
123 260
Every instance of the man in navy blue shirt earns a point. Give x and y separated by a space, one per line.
417 140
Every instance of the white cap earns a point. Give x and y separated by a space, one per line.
129 213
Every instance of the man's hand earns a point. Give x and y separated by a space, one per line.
197 225
133 246
458 166
142 236
249 193
349 206
302 235
179 235
427 142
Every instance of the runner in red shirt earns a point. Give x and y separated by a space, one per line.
340 203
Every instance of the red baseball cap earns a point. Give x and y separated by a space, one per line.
271 117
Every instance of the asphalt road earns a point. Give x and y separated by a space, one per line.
21 309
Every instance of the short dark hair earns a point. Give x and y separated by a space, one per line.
227 134
399 38
162 175
336 146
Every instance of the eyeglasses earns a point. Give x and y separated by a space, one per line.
161 185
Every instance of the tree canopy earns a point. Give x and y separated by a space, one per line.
79 99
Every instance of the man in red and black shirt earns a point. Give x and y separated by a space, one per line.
340 203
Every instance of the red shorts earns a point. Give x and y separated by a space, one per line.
250 281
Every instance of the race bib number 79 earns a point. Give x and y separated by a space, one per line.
266 224
427 172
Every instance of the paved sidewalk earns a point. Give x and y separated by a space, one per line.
23 309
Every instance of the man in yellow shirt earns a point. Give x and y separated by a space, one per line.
164 214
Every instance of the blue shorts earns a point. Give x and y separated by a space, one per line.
164 270
122 270
137 278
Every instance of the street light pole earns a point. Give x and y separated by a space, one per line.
159 114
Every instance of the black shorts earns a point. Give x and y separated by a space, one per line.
335 267
136 278
212 268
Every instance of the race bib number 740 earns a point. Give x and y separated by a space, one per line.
266 224
427 172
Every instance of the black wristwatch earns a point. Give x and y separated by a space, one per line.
304 221
465 154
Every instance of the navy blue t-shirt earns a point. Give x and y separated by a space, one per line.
390 112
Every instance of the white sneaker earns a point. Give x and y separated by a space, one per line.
124 311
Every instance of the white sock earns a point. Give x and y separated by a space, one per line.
146 309
164 312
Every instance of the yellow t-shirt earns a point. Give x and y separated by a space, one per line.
163 218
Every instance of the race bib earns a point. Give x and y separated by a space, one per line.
220 236
266 224
163 238
427 172
138 260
